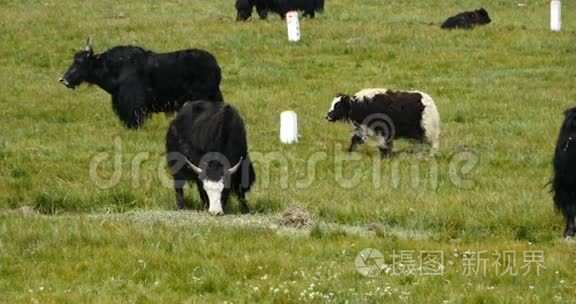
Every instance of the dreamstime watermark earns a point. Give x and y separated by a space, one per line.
371 263
279 170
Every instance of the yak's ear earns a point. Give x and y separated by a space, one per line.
569 112
345 98
88 46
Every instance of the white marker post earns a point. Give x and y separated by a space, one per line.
288 127
293 26
555 15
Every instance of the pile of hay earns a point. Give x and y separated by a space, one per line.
296 217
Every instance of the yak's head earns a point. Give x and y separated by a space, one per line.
482 16
340 108
567 139
244 9
80 68
215 177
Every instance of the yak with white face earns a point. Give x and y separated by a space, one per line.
206 143
382 115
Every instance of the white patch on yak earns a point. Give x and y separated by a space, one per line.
430 122
334 102
369 93
368 134
214 191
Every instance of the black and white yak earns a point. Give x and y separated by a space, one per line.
382 115
564 180
467 20
281 7
206 143
142 82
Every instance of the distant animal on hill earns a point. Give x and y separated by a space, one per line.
467 20
206 143
142 82
281 7
382 115
564 163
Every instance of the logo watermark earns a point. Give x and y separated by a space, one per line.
372 263
279 170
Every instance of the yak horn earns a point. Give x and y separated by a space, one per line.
235 168
89 44
196 169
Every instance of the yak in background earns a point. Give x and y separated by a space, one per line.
564 163
281 7
467 20
142 82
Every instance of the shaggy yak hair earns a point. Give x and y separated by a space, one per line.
281 7
142 82
382 115
206 143
564 163
467 20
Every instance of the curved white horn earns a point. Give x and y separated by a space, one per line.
235 168
191 165
89 43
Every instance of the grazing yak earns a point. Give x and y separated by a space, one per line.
564 180
382 115
281 7
467 20
142 82
206 143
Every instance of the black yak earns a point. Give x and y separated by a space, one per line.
382 115
564 180
142 82
206 143
281 7
467 20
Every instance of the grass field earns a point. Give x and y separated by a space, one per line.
104 230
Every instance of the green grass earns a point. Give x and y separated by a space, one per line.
500 91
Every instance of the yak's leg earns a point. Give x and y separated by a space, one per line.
243 202
569 213
262 12
566 203
570 230
309 13
385 149
355 141
179 189
203 195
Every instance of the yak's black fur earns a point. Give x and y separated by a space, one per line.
201 128
383 116
143 82
564 180
281 7
467 20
